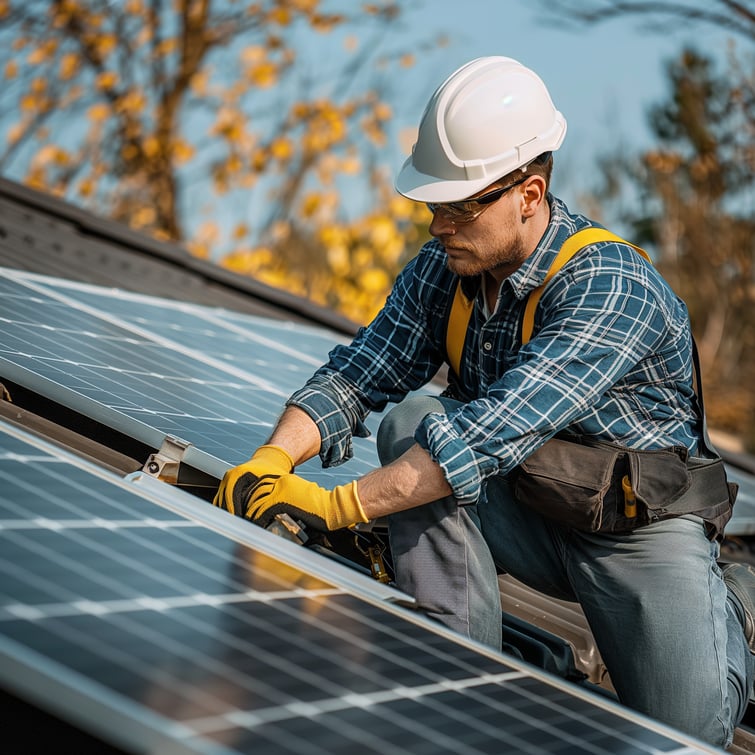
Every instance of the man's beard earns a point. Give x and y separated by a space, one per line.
506 261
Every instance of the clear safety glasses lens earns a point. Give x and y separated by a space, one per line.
470 209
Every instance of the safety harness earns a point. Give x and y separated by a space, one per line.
554 479
461 308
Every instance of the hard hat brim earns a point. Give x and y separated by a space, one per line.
421 187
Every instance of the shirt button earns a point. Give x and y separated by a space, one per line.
487 346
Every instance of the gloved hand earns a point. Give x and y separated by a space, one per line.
302 500
267 461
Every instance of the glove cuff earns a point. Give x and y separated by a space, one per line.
355 511
275 457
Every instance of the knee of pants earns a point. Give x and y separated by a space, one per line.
396 432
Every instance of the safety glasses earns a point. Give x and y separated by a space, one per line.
470 209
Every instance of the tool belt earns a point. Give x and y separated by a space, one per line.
596 486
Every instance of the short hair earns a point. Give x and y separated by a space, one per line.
542 166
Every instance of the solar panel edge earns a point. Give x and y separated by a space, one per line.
151 336
189 506
393 601
107 416
245 533
77 402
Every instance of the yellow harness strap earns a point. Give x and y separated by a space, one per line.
458 323
461 308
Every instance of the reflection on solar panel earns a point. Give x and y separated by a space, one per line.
162 624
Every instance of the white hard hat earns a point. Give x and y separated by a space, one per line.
488 118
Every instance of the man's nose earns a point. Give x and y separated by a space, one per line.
441 224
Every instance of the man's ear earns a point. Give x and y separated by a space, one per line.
533 195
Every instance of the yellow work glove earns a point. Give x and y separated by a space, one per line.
267 461
304 501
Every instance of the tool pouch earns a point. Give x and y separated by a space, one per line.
578 482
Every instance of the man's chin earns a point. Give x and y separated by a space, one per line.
462 268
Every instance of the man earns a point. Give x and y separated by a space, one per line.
607 363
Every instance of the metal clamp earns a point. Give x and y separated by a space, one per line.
285 526
165 463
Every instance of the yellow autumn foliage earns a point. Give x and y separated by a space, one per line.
200 83
132 102
38 85
280 16
208 233
263 75
310 204
107 80
150 146
350 165
348 266
143 217
98 112
338 260
374 280
29 103
51 154
104 44
87 187
15 132
167 46
229 123
240 231
282 149
43 52
69 66
183 151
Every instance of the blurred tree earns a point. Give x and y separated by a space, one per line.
698 188
692 194
128 106
661 16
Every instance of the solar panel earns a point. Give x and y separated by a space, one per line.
162 624
150 367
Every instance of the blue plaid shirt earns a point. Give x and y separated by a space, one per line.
610 358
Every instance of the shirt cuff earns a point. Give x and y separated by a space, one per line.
332 404
464 470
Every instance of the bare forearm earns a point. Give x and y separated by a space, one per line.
297 433
412 480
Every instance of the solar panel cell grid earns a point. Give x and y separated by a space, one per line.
212 378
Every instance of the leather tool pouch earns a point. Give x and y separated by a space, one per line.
578 482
